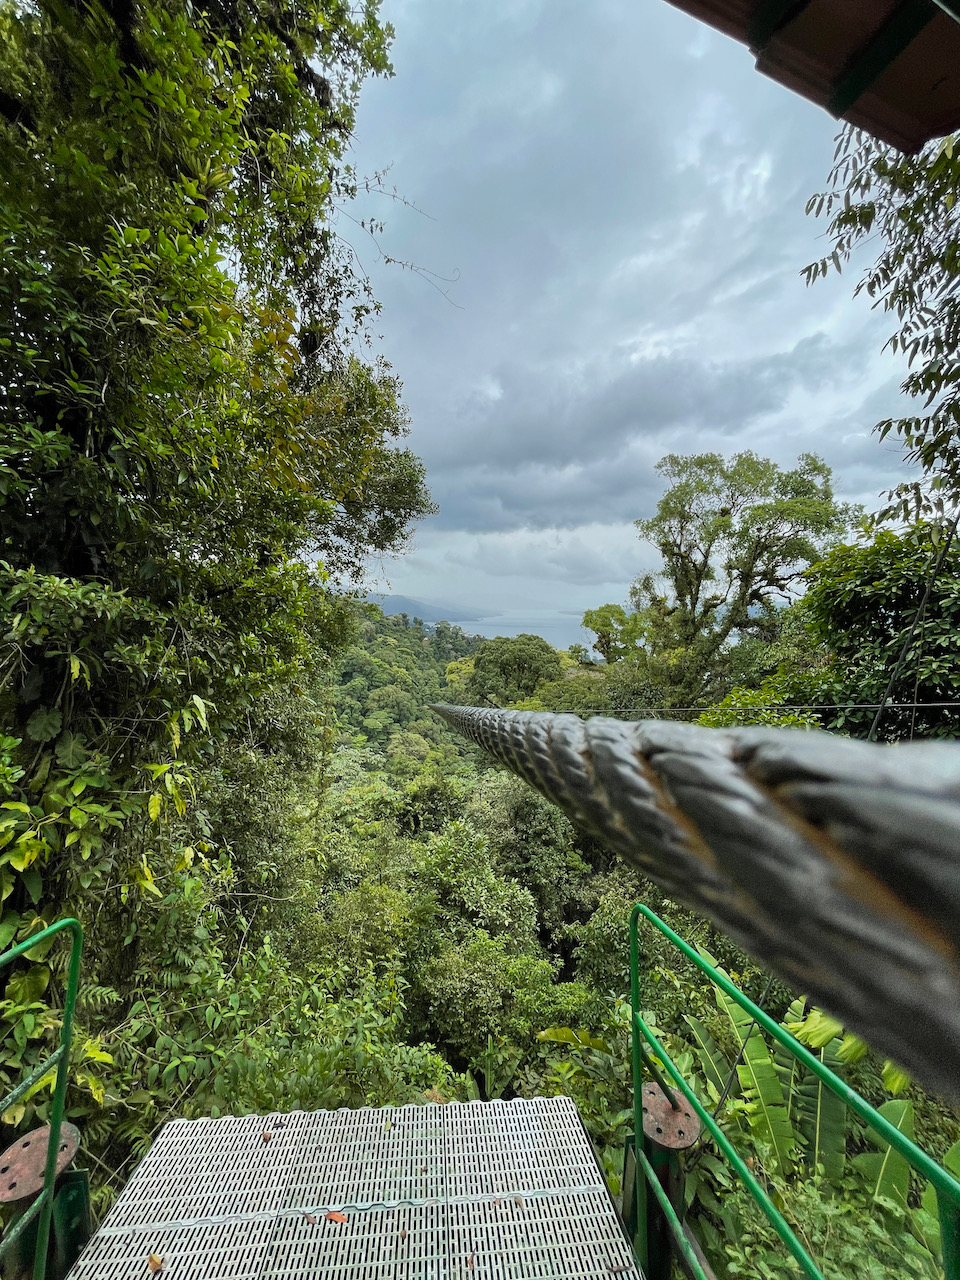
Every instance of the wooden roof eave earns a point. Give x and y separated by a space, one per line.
889 66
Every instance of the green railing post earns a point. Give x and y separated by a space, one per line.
42 1207
72 1224
949 1215
642 1226
664 1168
635 1203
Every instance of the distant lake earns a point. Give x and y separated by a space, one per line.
559 629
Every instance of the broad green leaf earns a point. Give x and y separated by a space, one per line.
766 1107
895 1079
70 750
41 950
580 1039
821 1118
9 924
925 1226
32 883
852 1049
887 1172
788 1068
25 852
816 1029
715 1068
25 988
44 724
928 1201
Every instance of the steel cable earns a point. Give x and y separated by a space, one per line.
835 863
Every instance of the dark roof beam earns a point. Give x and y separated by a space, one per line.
889 66
768 17
900 29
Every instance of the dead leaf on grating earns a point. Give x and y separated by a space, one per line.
518 1201
310 1218
335 1216
155 1263
470 1266
266 1136
403 1233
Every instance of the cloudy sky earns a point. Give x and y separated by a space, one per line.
606 214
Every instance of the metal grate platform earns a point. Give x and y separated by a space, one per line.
464 1191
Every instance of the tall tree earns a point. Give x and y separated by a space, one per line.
735 537
863 605
907 205
618 633
509 668
187 426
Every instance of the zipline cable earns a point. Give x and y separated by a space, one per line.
653 712
834 862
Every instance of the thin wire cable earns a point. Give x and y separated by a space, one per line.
916 678
763 706
917 618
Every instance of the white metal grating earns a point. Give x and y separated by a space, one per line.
464 1191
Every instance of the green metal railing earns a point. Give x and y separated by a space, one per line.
652 1255
42 1208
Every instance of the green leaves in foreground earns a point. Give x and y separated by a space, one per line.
925 1221
887 1171
821 1118
766 1106
567 1035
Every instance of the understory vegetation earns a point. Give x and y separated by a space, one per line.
299 889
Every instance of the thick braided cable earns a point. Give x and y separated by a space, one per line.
835 863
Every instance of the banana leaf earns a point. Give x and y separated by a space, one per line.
579 1039
821 1118
887 1172
816 1029
766 1107
788 1068
715 1066
895 1079
852 1049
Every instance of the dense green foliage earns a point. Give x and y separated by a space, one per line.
509 668
907 207
506 931
387 679
864 603
187 428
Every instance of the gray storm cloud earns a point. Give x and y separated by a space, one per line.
612 203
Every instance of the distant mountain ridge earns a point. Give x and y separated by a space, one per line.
420 609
